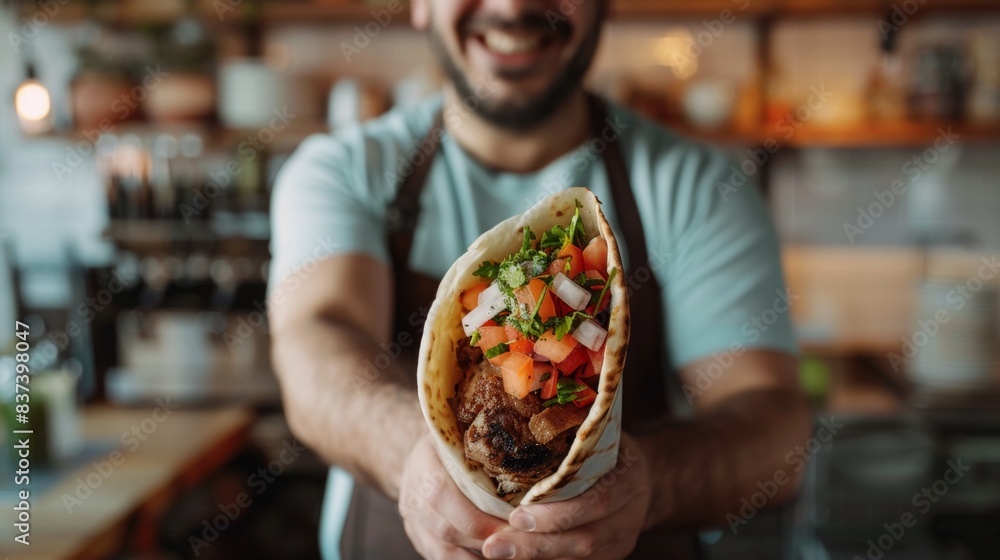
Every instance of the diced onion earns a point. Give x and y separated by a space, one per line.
486 310
590 334
489 294
570 292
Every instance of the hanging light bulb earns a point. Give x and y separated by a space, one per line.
33 105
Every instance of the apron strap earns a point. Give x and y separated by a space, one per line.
645 388
403 212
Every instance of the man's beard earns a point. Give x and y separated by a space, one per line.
525 114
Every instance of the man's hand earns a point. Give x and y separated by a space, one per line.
603 522
439 520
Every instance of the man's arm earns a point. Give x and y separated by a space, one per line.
745 424
325 324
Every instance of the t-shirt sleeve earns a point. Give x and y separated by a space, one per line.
321 208
724 285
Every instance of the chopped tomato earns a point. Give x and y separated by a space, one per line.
594 274
595 256
575 256
491 336
522 345
543 373
585 397
490 323
529 295
555 350
470 295
557 266
597 359
574 360
512 333
518 372
587 371
549 387
562 309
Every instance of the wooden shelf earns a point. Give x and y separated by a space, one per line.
885 135
215 136
305 11
873 135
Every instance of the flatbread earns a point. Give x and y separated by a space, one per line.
594 452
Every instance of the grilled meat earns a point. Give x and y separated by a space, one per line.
552 421
498 427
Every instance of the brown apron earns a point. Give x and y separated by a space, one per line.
374 529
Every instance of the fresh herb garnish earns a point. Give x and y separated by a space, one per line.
510 277
538 304
566 390
611 276
488 269
517 269
576 231
496 350
529 236
588 283
475 338
530 328
558 237
539 262
567 324
554 238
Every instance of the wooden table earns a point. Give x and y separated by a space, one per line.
123 512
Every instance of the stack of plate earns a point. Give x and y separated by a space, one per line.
956 337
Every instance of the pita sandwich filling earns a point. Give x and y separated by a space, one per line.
535 325
522 355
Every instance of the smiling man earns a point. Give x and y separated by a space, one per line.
368 219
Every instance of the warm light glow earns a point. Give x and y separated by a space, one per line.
32 101
677 51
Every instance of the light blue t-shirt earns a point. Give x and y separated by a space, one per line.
712 248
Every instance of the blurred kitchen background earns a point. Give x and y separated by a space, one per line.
139 141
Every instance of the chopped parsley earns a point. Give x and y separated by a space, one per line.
554 238
488 269
517 269
558 237
511 276
529 236
600 297
569 323
576 232
588 283
528 263
496 350
566 390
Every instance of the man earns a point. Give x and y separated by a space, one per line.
364 217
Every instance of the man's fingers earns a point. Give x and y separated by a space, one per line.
596 503
445 531
581 542
457 510
429 533
611 493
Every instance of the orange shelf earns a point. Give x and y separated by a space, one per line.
886 135
347 11
873 135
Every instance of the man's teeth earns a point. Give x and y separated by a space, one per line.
505 43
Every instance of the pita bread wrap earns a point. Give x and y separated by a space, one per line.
594 450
